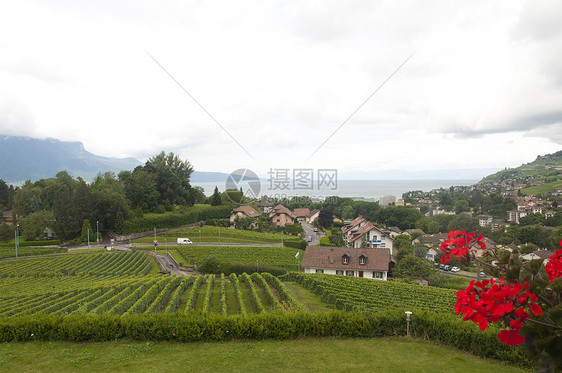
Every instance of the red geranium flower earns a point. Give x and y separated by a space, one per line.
554 267
458 243
491 301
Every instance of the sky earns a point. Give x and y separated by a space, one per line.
432 85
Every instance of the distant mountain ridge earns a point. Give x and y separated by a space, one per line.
26 158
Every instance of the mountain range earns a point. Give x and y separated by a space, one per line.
26 158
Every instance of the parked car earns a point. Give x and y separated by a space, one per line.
441 266
315 229
184 241
436 265
447 268
483 274
455 269
309 239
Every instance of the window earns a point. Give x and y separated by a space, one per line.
345 259
349 273
362 260
377 275
374 237
383 244
339 272
319 271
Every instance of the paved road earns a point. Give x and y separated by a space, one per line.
309 232
168 265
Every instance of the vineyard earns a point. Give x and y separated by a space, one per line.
211 234
350 293
29 251
117 284
94 264
281 257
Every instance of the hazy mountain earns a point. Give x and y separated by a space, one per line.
25 158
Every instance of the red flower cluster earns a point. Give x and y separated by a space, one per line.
491 301
554 267
458 243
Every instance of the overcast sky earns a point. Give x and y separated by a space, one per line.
482 90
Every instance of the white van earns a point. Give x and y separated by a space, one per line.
184 241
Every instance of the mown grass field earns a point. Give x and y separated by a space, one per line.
392 355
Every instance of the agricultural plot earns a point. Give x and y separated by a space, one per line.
10 252
350 293
211 234
129 295
282 257
94 264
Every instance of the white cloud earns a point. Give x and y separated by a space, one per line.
482 90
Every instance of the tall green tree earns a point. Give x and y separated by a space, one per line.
172 179
216 199
87 232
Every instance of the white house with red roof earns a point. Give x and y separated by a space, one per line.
243 212
370 263
369 235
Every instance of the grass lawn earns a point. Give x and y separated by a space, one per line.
310 301
318 355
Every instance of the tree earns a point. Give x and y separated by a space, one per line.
216 199
33 226
172 179
4 194
326 217
411 265
6 232
348 212
87 232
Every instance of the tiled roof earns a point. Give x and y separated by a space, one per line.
301 213
358 220
312 213
280 209
331 257
248 210
366 228
265 202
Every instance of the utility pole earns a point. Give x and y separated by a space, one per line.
219 235
97 235
88 238
16 238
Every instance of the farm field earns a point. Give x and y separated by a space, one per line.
353 293
116 283
281 257
393 355
10 252
211 234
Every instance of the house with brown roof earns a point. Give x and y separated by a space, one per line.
301 214
312 216
347 261
243 212
281 216
265 205
353 225
369 235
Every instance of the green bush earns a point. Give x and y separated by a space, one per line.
325 241
301 244
39 243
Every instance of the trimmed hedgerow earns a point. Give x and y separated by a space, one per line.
446 329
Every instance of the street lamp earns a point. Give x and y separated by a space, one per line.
408 314
257 265
97 235
16 239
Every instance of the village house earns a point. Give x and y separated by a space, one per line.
347 261
265 205
484 220
243 212
281 216
301 214
539 254
368 235
353 225
312 216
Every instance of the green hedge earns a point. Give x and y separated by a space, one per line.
446 329
301 244
39 243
